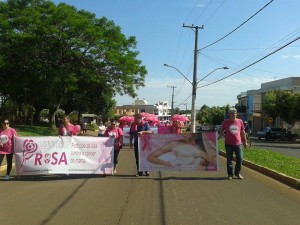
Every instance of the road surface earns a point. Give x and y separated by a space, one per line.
290 149
163 198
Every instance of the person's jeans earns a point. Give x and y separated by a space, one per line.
237 149
9 161
136 154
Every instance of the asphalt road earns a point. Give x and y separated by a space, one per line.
290 149
163 198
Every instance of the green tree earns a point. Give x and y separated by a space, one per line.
284 104
218 115
55 56
269 104
176 111
214 115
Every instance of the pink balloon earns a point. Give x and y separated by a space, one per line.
76 129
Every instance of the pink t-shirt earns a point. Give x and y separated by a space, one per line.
117 133
176 128
67 130
233 131
7 139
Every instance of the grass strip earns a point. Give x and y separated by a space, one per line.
287 165
23 130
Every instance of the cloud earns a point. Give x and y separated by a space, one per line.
297 57
200 5
284 56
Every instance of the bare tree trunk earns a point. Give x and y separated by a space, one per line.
52 114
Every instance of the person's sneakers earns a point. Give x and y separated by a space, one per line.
6 177
147 173
229 177
240 177
139 174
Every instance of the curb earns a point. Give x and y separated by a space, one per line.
285 146
290 181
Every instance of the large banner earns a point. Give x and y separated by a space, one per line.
176 152
70 155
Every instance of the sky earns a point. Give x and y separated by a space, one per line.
162 39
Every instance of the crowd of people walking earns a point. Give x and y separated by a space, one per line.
234 128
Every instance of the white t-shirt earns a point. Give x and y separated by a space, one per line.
101 129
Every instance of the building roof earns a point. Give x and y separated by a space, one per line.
89 115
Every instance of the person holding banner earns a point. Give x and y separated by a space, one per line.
176 127
116 133
234 137
7 146
67 128
138 127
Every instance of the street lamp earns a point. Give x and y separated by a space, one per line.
194 85
179 72
193 110
220 68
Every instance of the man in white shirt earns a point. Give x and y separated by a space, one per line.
101 130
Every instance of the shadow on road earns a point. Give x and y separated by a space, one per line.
192 178
55 177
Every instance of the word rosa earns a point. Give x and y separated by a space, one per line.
55 158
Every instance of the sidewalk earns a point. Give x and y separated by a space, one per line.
89 133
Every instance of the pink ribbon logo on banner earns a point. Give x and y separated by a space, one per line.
146 146
29 148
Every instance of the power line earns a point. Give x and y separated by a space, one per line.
193 10
242 49
222 62
185 99
207 6
214 12
253 62
238 26
275 45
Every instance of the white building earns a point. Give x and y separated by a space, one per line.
161 109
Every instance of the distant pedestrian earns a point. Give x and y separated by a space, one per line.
101 129
84 127
247 132
268 132
7 146
234 137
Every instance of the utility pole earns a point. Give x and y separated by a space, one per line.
172 105
194 83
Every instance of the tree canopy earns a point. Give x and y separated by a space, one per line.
211 115
284 104
55 56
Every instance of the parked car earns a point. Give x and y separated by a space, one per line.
288 136
206 127
275 133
